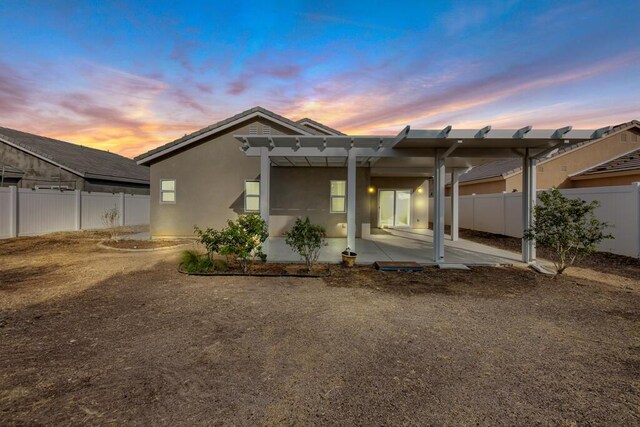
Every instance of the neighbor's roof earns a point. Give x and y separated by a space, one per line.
505 168
83 161
319 126
219 126
624 163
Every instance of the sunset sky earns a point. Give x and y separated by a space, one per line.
129 76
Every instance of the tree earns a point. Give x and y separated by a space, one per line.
567 227
306 239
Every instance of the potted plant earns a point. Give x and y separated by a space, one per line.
348 257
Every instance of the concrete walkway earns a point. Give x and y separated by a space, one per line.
399 245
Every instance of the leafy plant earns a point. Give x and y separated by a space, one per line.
110 219
568 227
306 239
194 262
240 240
211 239
243 240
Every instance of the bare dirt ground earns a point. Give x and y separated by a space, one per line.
89 335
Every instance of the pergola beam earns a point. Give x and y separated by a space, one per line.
483 132
520 133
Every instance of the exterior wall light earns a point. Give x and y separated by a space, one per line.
371 190
420 190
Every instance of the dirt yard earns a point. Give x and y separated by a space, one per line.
96 336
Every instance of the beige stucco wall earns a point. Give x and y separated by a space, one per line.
488 187
419 198
555 171
606 181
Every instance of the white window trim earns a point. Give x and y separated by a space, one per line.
175 188
246 196
331 197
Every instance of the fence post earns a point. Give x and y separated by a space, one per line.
635 187
13 211
78 194
122 220
504 213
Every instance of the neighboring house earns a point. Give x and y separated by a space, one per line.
621 170
559 169
205 178
33 161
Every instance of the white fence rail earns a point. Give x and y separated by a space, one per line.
25 212
501 213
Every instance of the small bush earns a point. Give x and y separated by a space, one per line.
567 227
240 240
110 219
306 239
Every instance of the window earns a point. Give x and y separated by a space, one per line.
252 196
623 137
563 168
338 196
634 137
167 191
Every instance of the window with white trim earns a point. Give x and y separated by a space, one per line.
623 137
338 198
252 196
167 191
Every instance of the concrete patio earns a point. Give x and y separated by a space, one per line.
399 245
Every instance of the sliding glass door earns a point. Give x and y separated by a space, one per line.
394 208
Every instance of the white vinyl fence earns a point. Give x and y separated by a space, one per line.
26 212
501 213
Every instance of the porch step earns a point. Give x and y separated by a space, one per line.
398 266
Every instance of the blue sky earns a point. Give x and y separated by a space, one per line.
128 76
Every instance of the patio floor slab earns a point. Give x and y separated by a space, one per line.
398 246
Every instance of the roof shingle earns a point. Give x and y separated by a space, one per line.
84 161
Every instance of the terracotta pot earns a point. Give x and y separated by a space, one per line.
349 258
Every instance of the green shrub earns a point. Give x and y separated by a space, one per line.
240 240
193 262
243 239
567 227
306 239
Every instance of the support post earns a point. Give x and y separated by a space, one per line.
13 211
78 195
351 200
438 211
455 193
121 200
529 197
265 181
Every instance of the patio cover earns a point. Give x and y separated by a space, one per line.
427 150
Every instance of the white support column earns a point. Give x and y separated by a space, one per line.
78 194
13 211
265 181
529 197
438 211
455 193
351 200
122 219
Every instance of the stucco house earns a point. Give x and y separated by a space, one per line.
620 170
34 161
561 168
261 162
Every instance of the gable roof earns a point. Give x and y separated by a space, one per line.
629 161
80 160
319 126
219 126
509 167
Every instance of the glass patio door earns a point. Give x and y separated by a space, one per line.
394 208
